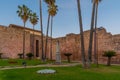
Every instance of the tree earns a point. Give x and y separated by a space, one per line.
41 26
34 20
29 55
81 35
1 55
109 54
68 56
20 55
95 34
51 38
49 3
91 33
46 39
23 12
52 11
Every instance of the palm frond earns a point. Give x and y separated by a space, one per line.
23 12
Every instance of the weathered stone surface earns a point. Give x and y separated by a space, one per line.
11 43
106 41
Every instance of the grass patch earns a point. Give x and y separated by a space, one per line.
18 62
64 73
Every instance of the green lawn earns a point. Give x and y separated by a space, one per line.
18 62
64 73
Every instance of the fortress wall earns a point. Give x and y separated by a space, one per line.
11 40
71 44
11 43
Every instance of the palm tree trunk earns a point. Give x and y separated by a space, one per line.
46 41
109 60
81 35
41 24
51 38
33 43
24 42
95 38
91 36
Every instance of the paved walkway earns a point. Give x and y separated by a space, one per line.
42 65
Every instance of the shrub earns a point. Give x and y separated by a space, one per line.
109 54
68 56
1 55
29 55
20 55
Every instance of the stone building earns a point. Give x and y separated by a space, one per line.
11 40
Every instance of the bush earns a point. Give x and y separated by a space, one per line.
29 55
68 56
1 55
109 54
20 55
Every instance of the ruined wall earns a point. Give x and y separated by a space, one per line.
11 41
71 44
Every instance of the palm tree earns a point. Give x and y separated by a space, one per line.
81 35
49 3
46 40
95 34
52 11
51 38
23 13
34 20
41 26
91 35
109 54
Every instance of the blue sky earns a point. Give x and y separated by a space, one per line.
66 20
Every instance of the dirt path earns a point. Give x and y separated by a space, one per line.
45 65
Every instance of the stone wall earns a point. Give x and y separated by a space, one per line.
71 44
11 43
11 40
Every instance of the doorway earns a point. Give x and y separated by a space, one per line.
37 48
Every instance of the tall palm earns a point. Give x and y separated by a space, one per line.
49 3
23 12
41 26
46 40
81 35
91 31
91 35
34 20
52 11
95 34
